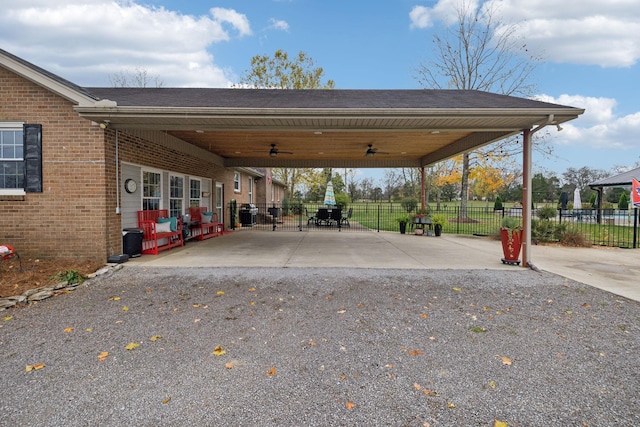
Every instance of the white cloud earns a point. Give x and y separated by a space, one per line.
599 126
86 41
278 24
588 32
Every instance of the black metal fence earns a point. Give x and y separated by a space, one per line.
605 227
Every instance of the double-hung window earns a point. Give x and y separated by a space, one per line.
194 192
151 190
176 195
11 156
236 182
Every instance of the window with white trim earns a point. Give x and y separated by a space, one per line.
176 195
250 189
151 190
236 182
195 186
11 156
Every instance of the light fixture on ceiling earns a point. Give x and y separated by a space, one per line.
372 151
199 131
273 152
105 124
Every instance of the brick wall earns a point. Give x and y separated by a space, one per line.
66 220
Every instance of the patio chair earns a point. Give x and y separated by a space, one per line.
345 219
310 217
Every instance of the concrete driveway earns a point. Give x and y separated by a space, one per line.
612 269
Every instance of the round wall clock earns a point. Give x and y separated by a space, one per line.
130 185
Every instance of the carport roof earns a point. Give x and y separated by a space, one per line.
310 128
319 128
620 180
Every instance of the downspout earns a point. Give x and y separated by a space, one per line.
117 177
527 191
423 202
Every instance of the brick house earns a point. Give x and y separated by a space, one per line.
61 195
66 195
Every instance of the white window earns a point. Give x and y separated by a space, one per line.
151 190
11 156
250 189
236 182
194 192
176 195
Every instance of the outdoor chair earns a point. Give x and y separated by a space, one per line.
345 219
310 217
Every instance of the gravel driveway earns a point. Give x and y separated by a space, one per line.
308 346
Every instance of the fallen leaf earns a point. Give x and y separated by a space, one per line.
219 351
220 293
500 424
271 372
103 356
424 316
506 360
125 308
417 386
342 377
89 329
451 405
415 352
132 345
196 320
7 318
312 343
252 289
252 303
457 289
114 299
429 392
350 405
148 290
155 338
35 367
165 401
67 330
492 384
341 311
197 305
229 365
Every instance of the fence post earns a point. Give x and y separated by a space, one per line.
379 208
635 228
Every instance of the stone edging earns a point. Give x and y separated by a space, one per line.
44 292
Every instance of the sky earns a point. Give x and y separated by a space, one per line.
589 51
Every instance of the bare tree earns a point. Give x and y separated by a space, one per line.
140 77
479 52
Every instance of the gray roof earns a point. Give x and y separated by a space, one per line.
621 180
318 98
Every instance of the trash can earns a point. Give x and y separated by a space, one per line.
132 242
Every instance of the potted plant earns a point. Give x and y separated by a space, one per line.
403 220
438 221
511 236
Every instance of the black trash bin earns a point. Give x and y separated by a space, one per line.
132 242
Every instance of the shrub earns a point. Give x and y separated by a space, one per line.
342 200
70 277
623 203
542 231
573 238
409 204
546 212
497 205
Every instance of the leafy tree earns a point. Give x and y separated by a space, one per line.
479 52
283 72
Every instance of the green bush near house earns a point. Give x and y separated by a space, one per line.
497 204
546 212
623 203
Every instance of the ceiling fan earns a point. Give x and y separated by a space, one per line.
274 151
372 151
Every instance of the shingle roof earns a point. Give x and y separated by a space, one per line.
338 98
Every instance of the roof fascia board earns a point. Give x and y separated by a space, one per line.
46 81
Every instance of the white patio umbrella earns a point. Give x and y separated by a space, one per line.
329 197
577 203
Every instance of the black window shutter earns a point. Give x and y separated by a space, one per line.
32 158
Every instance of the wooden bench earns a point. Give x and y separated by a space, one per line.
203 230
155 240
